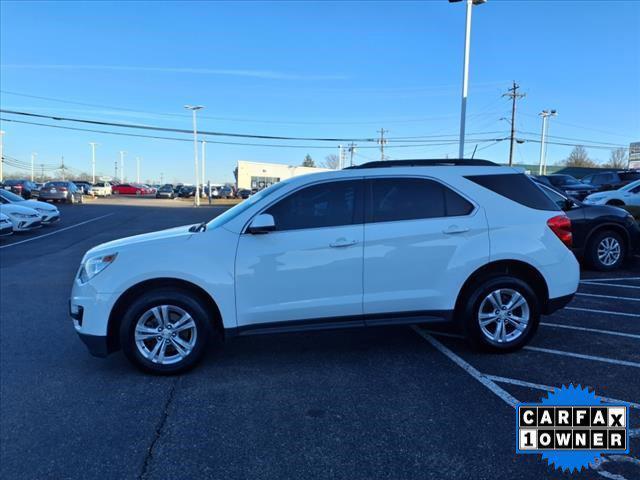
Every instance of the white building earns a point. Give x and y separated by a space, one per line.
260 175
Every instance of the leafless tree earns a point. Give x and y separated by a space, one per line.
618 158
331 161
579 158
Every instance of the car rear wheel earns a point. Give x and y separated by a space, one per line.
500 313
165 331
616 203
606 251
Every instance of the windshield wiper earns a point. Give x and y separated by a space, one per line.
201 227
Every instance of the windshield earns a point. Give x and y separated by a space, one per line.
241 207
626 188
12 197
56 184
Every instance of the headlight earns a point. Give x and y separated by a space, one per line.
93 266
20 215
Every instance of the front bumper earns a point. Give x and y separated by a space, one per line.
49 218
96 344
557 303
53 196
26 225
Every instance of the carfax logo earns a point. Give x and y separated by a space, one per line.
572 428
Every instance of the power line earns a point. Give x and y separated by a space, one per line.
157 137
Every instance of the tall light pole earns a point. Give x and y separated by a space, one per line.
465 71
137 169
93 161
122 153
33 160
204 152
194 109
545 114
1 154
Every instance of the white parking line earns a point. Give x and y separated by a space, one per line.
612 297
609 285
483 379
624 363
592 330
56 231
609 279
538 386
604 312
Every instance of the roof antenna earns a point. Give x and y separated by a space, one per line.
474 151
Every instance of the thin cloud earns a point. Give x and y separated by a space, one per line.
264 74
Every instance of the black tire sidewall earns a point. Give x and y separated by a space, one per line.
179 298
472 304
592 252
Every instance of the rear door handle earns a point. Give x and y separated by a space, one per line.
341 243
455 229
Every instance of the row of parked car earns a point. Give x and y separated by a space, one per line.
20 215
606 188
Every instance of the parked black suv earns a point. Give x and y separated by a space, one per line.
571 186
611 180
603 236
24 188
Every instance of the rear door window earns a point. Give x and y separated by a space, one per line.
516 187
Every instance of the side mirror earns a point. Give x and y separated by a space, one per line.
263 223
568 204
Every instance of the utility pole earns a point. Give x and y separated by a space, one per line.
340 156
382 141
545 114
194 109
122 153
204 152
62 168
33 159
161 178
42 172
352 150
514 95
115 175
137 169
1 154
93 161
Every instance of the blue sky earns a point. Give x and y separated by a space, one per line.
325 69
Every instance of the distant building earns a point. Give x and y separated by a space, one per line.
634 155
257 175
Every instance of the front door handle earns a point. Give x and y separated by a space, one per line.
455 229
340 243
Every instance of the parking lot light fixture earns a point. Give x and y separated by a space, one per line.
194 109
122 154
465 71
545 114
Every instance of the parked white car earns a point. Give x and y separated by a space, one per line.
22 218
49 213
101 189
6 227
383 243
627 195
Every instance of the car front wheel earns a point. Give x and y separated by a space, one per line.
501 314
165 331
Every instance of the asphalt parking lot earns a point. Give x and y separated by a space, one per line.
390 402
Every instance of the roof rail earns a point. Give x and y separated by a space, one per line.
443 162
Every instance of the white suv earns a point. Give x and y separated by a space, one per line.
383 243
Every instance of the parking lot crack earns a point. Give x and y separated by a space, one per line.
159 429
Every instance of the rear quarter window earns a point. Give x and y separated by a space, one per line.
516 187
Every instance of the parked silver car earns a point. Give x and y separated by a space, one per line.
61 191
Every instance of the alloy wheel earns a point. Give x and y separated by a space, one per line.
165 334
503 315
609 251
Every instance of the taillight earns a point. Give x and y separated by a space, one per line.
561 226
63 189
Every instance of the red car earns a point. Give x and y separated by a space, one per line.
130 189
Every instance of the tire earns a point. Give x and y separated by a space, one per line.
71 200
140 314
477 300
81 200
603 243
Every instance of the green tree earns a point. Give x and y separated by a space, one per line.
308 161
